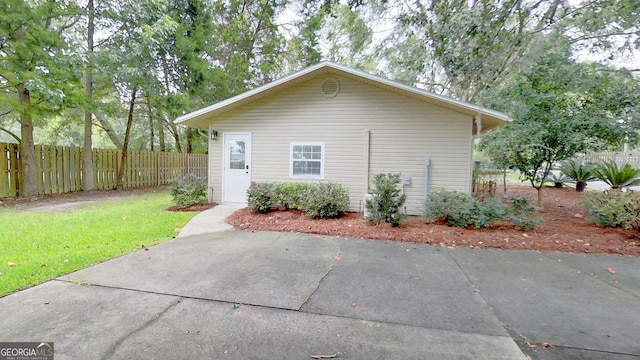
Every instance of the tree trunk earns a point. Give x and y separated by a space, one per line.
539 203
176 135
151 123
504 181
106 126
88 182
29 183
161 143
125 145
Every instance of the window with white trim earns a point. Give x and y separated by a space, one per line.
307 160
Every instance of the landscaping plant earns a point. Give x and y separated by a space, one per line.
614 209
462 210
325 200
189 190
317 200
261 197
578 172
387 200
618 177
558 180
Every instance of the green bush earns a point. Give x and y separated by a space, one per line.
387 200
189 190
462 210
325 200
520 212
315 200
452 207
614 209
291 195
261 197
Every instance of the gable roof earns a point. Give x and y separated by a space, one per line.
200 118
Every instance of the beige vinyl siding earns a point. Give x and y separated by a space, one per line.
402 131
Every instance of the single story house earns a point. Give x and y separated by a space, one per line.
330 122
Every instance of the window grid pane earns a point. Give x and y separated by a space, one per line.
306 160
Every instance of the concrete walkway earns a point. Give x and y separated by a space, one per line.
267 295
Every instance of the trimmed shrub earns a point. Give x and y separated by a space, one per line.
614 209
387 200
261 197
315 200
189 190
291 195
325 200
462 210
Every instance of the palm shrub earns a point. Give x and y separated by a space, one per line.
189 190
578 172
557 179
618 177
387 200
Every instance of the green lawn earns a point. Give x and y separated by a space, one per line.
40 245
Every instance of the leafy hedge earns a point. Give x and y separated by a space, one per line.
461 210
316 200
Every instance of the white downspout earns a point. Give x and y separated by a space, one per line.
427 162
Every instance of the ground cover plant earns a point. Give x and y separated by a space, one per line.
43 242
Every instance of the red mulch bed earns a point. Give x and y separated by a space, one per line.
565 228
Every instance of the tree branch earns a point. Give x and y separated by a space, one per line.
13 135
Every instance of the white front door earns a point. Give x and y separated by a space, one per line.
237 167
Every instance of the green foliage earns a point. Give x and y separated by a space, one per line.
614 209
291 195
261 197
576 170
325 200
521 212
618 177
387 200
462 210
49 244
189 190
317 200
452 207
557 179
559 108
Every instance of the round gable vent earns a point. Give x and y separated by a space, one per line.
330 88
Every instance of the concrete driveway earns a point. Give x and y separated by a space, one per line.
265 295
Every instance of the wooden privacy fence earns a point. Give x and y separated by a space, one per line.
59 168
632 158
